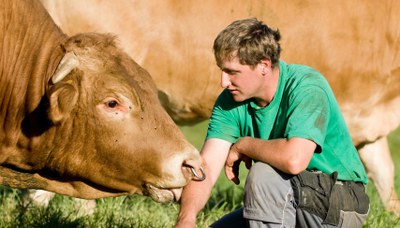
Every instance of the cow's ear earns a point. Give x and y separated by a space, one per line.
63 95
62 98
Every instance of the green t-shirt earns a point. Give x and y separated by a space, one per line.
304 106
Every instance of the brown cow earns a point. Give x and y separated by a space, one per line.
79 117
355 44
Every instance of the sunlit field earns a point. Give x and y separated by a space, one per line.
139 211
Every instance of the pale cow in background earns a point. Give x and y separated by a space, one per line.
355 44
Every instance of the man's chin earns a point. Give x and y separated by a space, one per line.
238 98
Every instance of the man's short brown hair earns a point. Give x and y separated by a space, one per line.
250 40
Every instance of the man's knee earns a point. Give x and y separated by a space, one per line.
268 196
262 177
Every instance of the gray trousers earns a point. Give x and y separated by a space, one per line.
269 202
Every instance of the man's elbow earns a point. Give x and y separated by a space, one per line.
295 166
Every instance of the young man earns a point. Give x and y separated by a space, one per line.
285 118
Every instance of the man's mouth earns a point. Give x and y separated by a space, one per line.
233 91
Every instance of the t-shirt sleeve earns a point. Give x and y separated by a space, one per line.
223 123
308 115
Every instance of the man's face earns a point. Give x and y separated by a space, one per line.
242 81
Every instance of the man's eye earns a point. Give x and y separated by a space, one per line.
112 104
230 72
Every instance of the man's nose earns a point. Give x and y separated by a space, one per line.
225 81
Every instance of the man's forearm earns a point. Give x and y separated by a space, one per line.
194 196
290 156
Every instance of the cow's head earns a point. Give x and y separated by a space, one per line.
111 133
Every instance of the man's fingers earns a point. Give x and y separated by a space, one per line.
232 173
229 172
235 167
236 181
248 162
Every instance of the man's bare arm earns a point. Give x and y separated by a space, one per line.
196 194
288 155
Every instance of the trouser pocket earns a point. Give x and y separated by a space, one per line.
346 196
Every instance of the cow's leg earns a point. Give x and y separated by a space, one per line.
380 168
38 197
85 207
42 198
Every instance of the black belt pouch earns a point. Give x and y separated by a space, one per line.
318 193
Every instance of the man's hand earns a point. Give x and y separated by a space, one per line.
233 162
185 224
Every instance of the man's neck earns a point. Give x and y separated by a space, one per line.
270 88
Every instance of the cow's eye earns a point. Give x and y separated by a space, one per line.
112 104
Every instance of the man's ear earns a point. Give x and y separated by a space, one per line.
62 98
265 65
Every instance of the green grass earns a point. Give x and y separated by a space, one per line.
139 211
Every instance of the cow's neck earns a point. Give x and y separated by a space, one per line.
30 51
